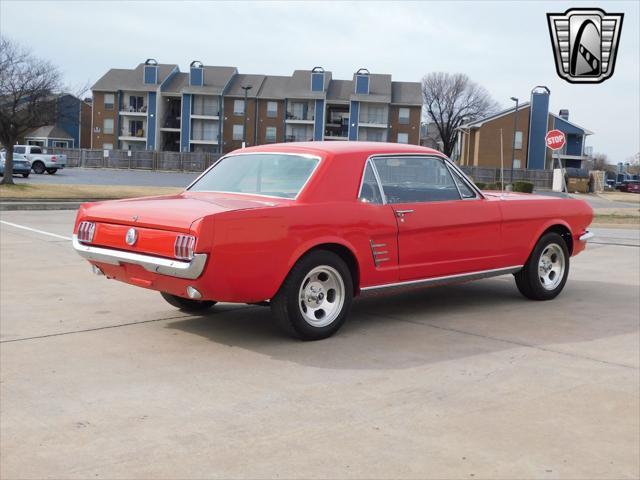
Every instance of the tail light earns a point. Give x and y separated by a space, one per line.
86 231
183 247
53 158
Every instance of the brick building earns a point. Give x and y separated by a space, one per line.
157 107
479 141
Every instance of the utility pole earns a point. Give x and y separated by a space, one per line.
246 89
515 130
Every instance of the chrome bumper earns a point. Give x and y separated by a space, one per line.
163 266
586 236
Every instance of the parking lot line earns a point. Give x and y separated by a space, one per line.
42 232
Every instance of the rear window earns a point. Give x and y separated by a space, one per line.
18 149
272 174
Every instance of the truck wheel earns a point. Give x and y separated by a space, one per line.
38 167
545 273
25 175
186 304
51 171
315 298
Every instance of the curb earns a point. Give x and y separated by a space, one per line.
12 206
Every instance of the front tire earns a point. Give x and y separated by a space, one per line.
315 298
188 305
545 273
25 175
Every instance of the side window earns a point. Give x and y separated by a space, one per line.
465 190
18 150
416 180
370 191
35 150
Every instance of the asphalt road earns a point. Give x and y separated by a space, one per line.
99 176
104 380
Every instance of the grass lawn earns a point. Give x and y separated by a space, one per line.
79 192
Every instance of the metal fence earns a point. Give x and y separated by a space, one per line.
200 161
539 178
138 159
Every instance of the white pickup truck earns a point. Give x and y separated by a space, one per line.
40 162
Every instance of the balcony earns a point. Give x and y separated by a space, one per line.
134 105
300 112
133 133
205 107
337 123
374 116
171 112
299 133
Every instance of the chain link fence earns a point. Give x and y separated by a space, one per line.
138 159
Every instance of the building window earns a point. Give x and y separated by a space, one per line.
238 107
403 116
403 137
516 163
205 130
107 126
270 135
205 105
107 146
375 114
238 132
518 141
60 144
272 109
109 100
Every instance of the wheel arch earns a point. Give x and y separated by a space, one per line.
344 251
561 228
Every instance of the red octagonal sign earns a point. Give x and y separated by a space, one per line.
555 139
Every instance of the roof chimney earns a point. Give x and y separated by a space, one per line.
196 74
564 114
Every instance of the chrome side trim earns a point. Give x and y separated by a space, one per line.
586 236
164 266
460 277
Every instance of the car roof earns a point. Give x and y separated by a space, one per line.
340 147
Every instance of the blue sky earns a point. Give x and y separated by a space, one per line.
504 46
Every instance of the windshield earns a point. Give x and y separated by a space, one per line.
273 174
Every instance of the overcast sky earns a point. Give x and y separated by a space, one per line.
504 46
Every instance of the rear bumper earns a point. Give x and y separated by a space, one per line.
163 266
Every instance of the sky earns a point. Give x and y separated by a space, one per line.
504 46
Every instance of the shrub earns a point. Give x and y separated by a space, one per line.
481 185
524 187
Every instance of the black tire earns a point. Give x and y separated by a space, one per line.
38 167
52 171
528 280
287 308
188 305
25 175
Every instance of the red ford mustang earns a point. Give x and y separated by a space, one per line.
306 227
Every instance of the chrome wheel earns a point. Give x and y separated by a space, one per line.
321 296
551 266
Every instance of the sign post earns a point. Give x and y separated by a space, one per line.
555 140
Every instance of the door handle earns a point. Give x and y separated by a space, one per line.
401 213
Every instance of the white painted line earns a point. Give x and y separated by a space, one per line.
42 232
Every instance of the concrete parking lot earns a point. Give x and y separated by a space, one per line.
103 380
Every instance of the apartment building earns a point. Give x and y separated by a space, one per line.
217 109
479 141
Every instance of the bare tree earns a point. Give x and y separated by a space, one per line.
27 87
599 162
449 100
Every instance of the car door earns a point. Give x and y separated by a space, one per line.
19 153
445 227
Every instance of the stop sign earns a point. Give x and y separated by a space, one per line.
555 139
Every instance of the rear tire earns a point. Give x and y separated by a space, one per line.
188 305
315 298
38 167
25 175
52 171
545 273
